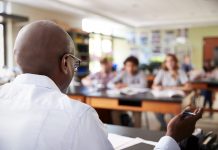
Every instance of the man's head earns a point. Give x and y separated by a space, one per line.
106 65
131 65
43 48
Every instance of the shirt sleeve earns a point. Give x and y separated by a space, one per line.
91 133
158 78
93 76
167 143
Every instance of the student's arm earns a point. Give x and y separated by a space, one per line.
91 133
116 81
157 81
178 129
88 80
185 85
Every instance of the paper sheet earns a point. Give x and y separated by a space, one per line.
120 142
133 91
167 93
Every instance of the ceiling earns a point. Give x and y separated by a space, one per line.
142 13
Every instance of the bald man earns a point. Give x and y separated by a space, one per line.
35 114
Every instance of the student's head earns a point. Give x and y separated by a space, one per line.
170 62
43 48
187 59
131 65
106 65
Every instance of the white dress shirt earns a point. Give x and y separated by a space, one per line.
35 115
167 143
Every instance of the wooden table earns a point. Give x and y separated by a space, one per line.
140 102
207 84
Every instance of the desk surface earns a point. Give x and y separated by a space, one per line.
84 91
136 132
212 82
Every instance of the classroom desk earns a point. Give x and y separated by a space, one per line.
136 132
207 84
139 102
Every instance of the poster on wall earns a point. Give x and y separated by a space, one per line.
144 38
168 41
156 41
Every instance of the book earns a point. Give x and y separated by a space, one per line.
168 93
122 142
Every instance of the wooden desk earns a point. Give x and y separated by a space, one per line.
141 106
206 85
140 102
135 132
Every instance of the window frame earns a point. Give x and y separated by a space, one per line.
5 44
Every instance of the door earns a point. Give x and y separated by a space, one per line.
211 49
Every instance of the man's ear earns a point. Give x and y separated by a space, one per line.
64 64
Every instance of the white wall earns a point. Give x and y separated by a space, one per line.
121 50
34 14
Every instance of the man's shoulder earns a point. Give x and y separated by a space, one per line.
70 105
43 98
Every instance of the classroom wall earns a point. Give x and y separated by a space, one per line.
196 35
33 14
121 50
74 21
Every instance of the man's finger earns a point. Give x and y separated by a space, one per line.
199 113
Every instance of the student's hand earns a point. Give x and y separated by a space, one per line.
158 87
120 85
181 127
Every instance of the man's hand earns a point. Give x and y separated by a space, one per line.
181 127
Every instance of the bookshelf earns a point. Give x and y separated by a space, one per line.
81 42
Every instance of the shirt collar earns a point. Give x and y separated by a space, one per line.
38 80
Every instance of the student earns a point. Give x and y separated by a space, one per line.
102 77
209 72
170 77
35 114
129 77
186 65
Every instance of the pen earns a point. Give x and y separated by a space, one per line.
187 113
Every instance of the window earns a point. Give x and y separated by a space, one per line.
1 6
1 45
99 46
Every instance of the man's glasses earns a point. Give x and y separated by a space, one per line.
76 62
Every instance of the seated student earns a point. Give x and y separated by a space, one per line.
35 114
129 77
170 77
102 77
186 64
209 73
